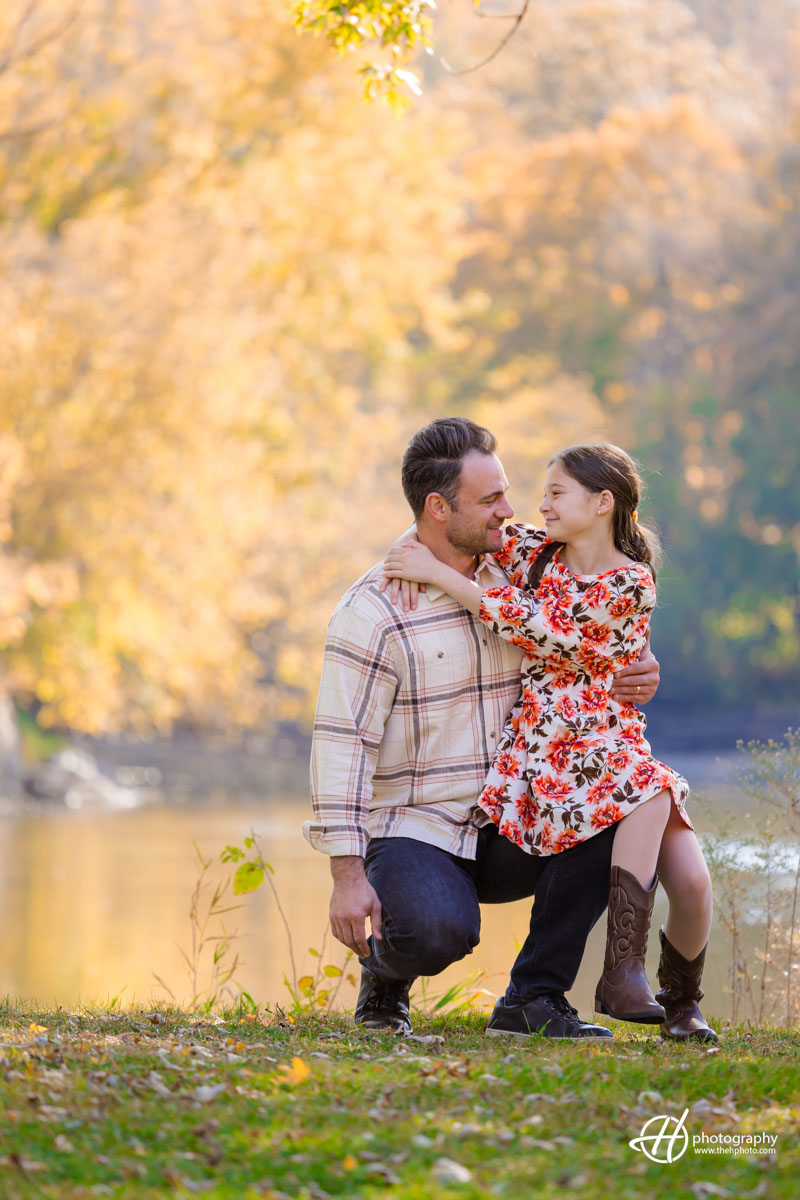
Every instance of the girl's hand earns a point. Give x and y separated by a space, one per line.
413 562
406 589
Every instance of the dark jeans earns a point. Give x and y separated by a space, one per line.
431 915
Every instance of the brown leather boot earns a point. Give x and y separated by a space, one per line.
623 991
680 991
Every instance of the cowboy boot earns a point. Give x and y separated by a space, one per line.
680 991
623 991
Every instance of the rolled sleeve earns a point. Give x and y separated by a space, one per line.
357 689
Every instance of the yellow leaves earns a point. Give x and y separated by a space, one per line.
295 1074
349 1163
33 1028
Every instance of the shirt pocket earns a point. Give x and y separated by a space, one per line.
442 674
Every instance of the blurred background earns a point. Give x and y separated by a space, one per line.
230 291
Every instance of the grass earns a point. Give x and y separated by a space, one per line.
160 1102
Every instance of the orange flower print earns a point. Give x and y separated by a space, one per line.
597 595
564 840
511 613
531 708
619 761
631 735
520 742
550 586
507 765
567 708
513 832
505 555
601 790
546 843
598 635
556 613
595 663
527 811
491 801
530 648
593 699
644 775
562 674
607 814
559 752
548 787
623 607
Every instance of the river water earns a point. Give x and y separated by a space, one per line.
96 904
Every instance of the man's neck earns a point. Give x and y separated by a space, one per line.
437 543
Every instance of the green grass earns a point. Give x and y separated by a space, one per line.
106 1102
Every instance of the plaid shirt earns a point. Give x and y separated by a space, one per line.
410 709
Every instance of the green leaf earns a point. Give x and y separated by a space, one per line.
248 877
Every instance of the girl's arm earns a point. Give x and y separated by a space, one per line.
548 624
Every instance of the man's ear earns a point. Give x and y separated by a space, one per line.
436 507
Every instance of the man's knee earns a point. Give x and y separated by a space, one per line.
428 947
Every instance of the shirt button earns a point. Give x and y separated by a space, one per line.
492 735
485 642
440 653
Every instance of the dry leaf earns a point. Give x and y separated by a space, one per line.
207 1092
296 1073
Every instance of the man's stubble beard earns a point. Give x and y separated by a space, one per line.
469 541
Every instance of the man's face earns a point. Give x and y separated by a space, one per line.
481 507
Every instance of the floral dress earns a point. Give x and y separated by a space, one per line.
571 760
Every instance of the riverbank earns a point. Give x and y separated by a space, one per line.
148 1103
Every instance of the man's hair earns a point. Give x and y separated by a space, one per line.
435 456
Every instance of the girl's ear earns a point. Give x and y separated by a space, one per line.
605 502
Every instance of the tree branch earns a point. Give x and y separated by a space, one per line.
517 18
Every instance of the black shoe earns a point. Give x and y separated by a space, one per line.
550 1016
383 1003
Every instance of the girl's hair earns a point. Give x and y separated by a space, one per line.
599 468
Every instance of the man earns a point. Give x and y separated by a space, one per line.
411 705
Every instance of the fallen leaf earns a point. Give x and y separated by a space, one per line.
445 1170
207 1092
296 1073
157 1084
349 1163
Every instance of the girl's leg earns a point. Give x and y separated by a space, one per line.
623 991
683 941
638 838
685 878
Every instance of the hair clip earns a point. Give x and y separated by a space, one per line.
636 514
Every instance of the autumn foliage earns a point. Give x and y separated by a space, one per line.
230 289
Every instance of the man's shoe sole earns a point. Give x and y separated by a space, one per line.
588 1037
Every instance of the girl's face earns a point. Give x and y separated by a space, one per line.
569 509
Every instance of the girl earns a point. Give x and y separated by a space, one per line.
572 760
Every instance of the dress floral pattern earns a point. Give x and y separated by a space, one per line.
571 760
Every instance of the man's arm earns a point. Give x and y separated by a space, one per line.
357 690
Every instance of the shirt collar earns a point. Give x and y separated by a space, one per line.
487 574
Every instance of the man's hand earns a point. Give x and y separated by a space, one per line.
638 683
353 900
